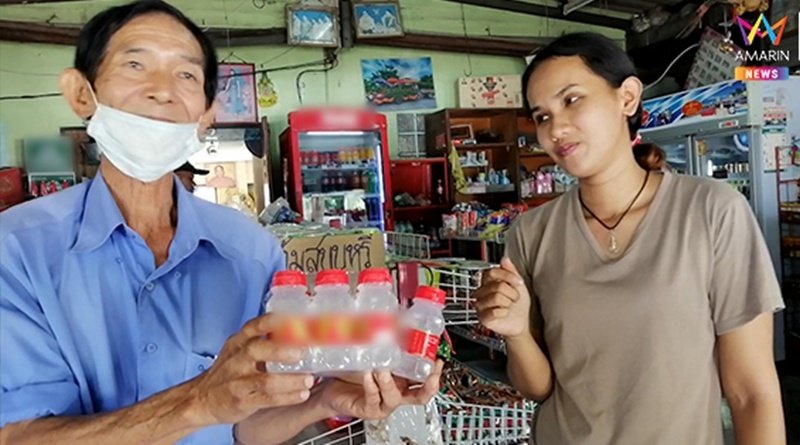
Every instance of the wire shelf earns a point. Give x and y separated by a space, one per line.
402 246
459 279
462 424
485 425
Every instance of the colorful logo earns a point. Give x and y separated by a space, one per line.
761 73
774 32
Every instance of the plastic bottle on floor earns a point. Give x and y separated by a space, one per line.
377 303
422 327
290 300
334 306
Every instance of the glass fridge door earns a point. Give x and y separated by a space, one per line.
678 154
726 156
342 178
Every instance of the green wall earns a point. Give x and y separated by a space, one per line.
34 68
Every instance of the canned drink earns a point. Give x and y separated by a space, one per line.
463 221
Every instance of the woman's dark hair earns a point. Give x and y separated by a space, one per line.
95 35
607 60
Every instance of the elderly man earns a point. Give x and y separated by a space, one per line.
129 307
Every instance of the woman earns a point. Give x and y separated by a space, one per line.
631 301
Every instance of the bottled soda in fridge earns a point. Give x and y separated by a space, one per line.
332 330
422 326
289 299
377 303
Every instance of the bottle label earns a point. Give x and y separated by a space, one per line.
422 344
333 329
292 331
381 327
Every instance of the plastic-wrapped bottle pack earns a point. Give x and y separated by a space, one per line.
342 331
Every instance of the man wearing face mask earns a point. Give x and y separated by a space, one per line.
129 307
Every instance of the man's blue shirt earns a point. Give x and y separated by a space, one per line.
89 324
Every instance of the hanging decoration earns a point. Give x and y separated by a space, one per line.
267 95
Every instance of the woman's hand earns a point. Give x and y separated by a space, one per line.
503 301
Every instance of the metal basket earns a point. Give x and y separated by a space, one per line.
402 246
348 434
460 279
463 424
485 425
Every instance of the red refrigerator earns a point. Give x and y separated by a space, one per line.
335 165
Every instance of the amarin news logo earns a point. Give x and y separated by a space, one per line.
774 32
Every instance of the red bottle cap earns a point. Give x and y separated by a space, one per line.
432 294
289 278
332 276
375 275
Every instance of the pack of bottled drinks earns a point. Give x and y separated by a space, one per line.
342 331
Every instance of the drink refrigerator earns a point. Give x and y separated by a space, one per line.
729 131
335 165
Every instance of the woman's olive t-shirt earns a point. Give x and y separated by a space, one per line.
632 339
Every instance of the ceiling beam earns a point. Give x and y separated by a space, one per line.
27 32
459 44
31 2
551 12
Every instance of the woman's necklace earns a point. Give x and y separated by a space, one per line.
613 246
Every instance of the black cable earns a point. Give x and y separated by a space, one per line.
29 96
333 61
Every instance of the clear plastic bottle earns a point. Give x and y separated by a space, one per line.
289 298
422 326
334 306
376 303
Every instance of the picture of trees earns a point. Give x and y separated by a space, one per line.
399 84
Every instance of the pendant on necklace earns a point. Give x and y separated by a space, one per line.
613 247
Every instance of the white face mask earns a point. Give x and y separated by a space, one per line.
142 148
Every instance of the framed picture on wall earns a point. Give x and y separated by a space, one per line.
376 19
311 25
236 94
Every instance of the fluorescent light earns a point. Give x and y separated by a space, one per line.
574 5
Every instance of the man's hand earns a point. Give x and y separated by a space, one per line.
378 394
237 385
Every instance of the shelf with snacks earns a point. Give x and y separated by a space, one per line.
485 189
